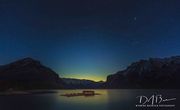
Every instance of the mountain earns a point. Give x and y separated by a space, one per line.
26 74
154 73
71 83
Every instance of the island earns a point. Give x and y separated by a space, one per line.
84 93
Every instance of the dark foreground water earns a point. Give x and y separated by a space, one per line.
108 100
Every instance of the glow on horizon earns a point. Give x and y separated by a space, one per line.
85 76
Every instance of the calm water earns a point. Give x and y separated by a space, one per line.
108 100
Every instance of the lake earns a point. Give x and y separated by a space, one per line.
108 100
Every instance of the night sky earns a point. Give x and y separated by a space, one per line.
88 38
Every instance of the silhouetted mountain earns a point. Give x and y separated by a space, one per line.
71 83
28 74
161 73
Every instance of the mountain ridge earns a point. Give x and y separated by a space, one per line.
161 73
73 83
28 73
152 73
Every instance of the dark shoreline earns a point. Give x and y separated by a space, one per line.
52 91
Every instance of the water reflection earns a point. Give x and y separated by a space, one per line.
27 102
84 103
119 100
108 100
